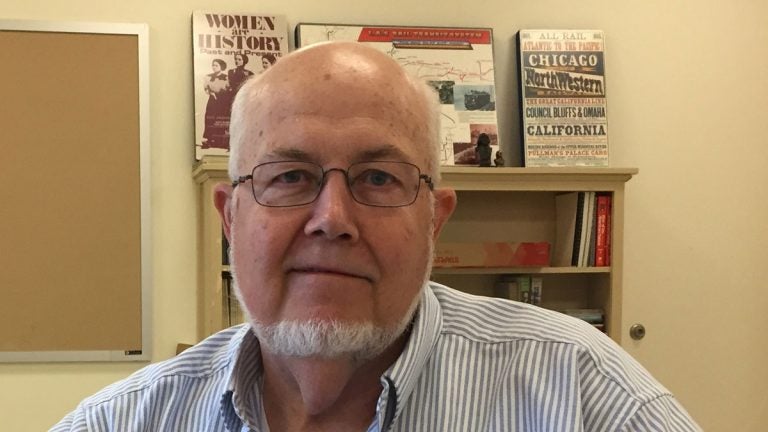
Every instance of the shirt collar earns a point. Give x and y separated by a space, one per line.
239 401
400 379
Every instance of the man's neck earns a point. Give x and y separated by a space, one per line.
323 394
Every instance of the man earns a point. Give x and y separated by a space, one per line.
331 217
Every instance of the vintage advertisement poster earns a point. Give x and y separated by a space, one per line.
563 105
228 49
457 62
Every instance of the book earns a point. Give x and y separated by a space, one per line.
595 317
456 61
586 229
601 233
523 288
592 236
609 233
586 314
537 286
491 254
233 313
562 97
578 228
505 288
566 205
224 249
227 50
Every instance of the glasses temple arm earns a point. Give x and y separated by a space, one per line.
241 179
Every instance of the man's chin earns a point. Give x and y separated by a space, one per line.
329 337
325 339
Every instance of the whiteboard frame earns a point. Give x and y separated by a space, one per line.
141 31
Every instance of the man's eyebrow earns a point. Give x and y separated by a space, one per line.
385 152
290 154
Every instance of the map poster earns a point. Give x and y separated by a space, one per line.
457 62
562 95
228 49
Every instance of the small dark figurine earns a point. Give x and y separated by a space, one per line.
499 160
483 150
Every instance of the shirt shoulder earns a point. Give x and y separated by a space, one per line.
529 328
174 384
210 357
538 354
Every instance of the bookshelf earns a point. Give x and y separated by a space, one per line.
211 301
494 204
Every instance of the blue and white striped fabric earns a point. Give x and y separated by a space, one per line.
471 364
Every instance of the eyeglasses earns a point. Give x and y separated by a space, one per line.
375 183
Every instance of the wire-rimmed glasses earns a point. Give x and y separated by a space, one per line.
372 183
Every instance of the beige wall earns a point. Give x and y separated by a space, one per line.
687 100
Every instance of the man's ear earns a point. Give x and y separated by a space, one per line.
222 200
445 203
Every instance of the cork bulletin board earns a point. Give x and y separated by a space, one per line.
74 192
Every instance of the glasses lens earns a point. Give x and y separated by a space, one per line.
384 184
282 184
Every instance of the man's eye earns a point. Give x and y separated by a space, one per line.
294 176
377 178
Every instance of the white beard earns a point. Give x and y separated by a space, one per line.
330 339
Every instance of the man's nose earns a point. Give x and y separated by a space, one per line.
334 211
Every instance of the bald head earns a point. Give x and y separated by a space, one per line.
332 81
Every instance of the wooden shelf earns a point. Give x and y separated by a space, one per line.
534 179
521 270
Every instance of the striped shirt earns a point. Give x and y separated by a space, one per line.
471 364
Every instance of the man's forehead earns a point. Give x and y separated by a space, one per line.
330 73
347 57
289 112
375 96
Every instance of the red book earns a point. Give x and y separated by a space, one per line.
491 254
608 235
602 234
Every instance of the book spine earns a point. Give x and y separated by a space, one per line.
578 228
565 208
595 317
608 231
505 288
590 260
602 231
589 203
524 288
593 237
491 254
537 287
224 249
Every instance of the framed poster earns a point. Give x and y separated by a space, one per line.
562 98
228 49
457 62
